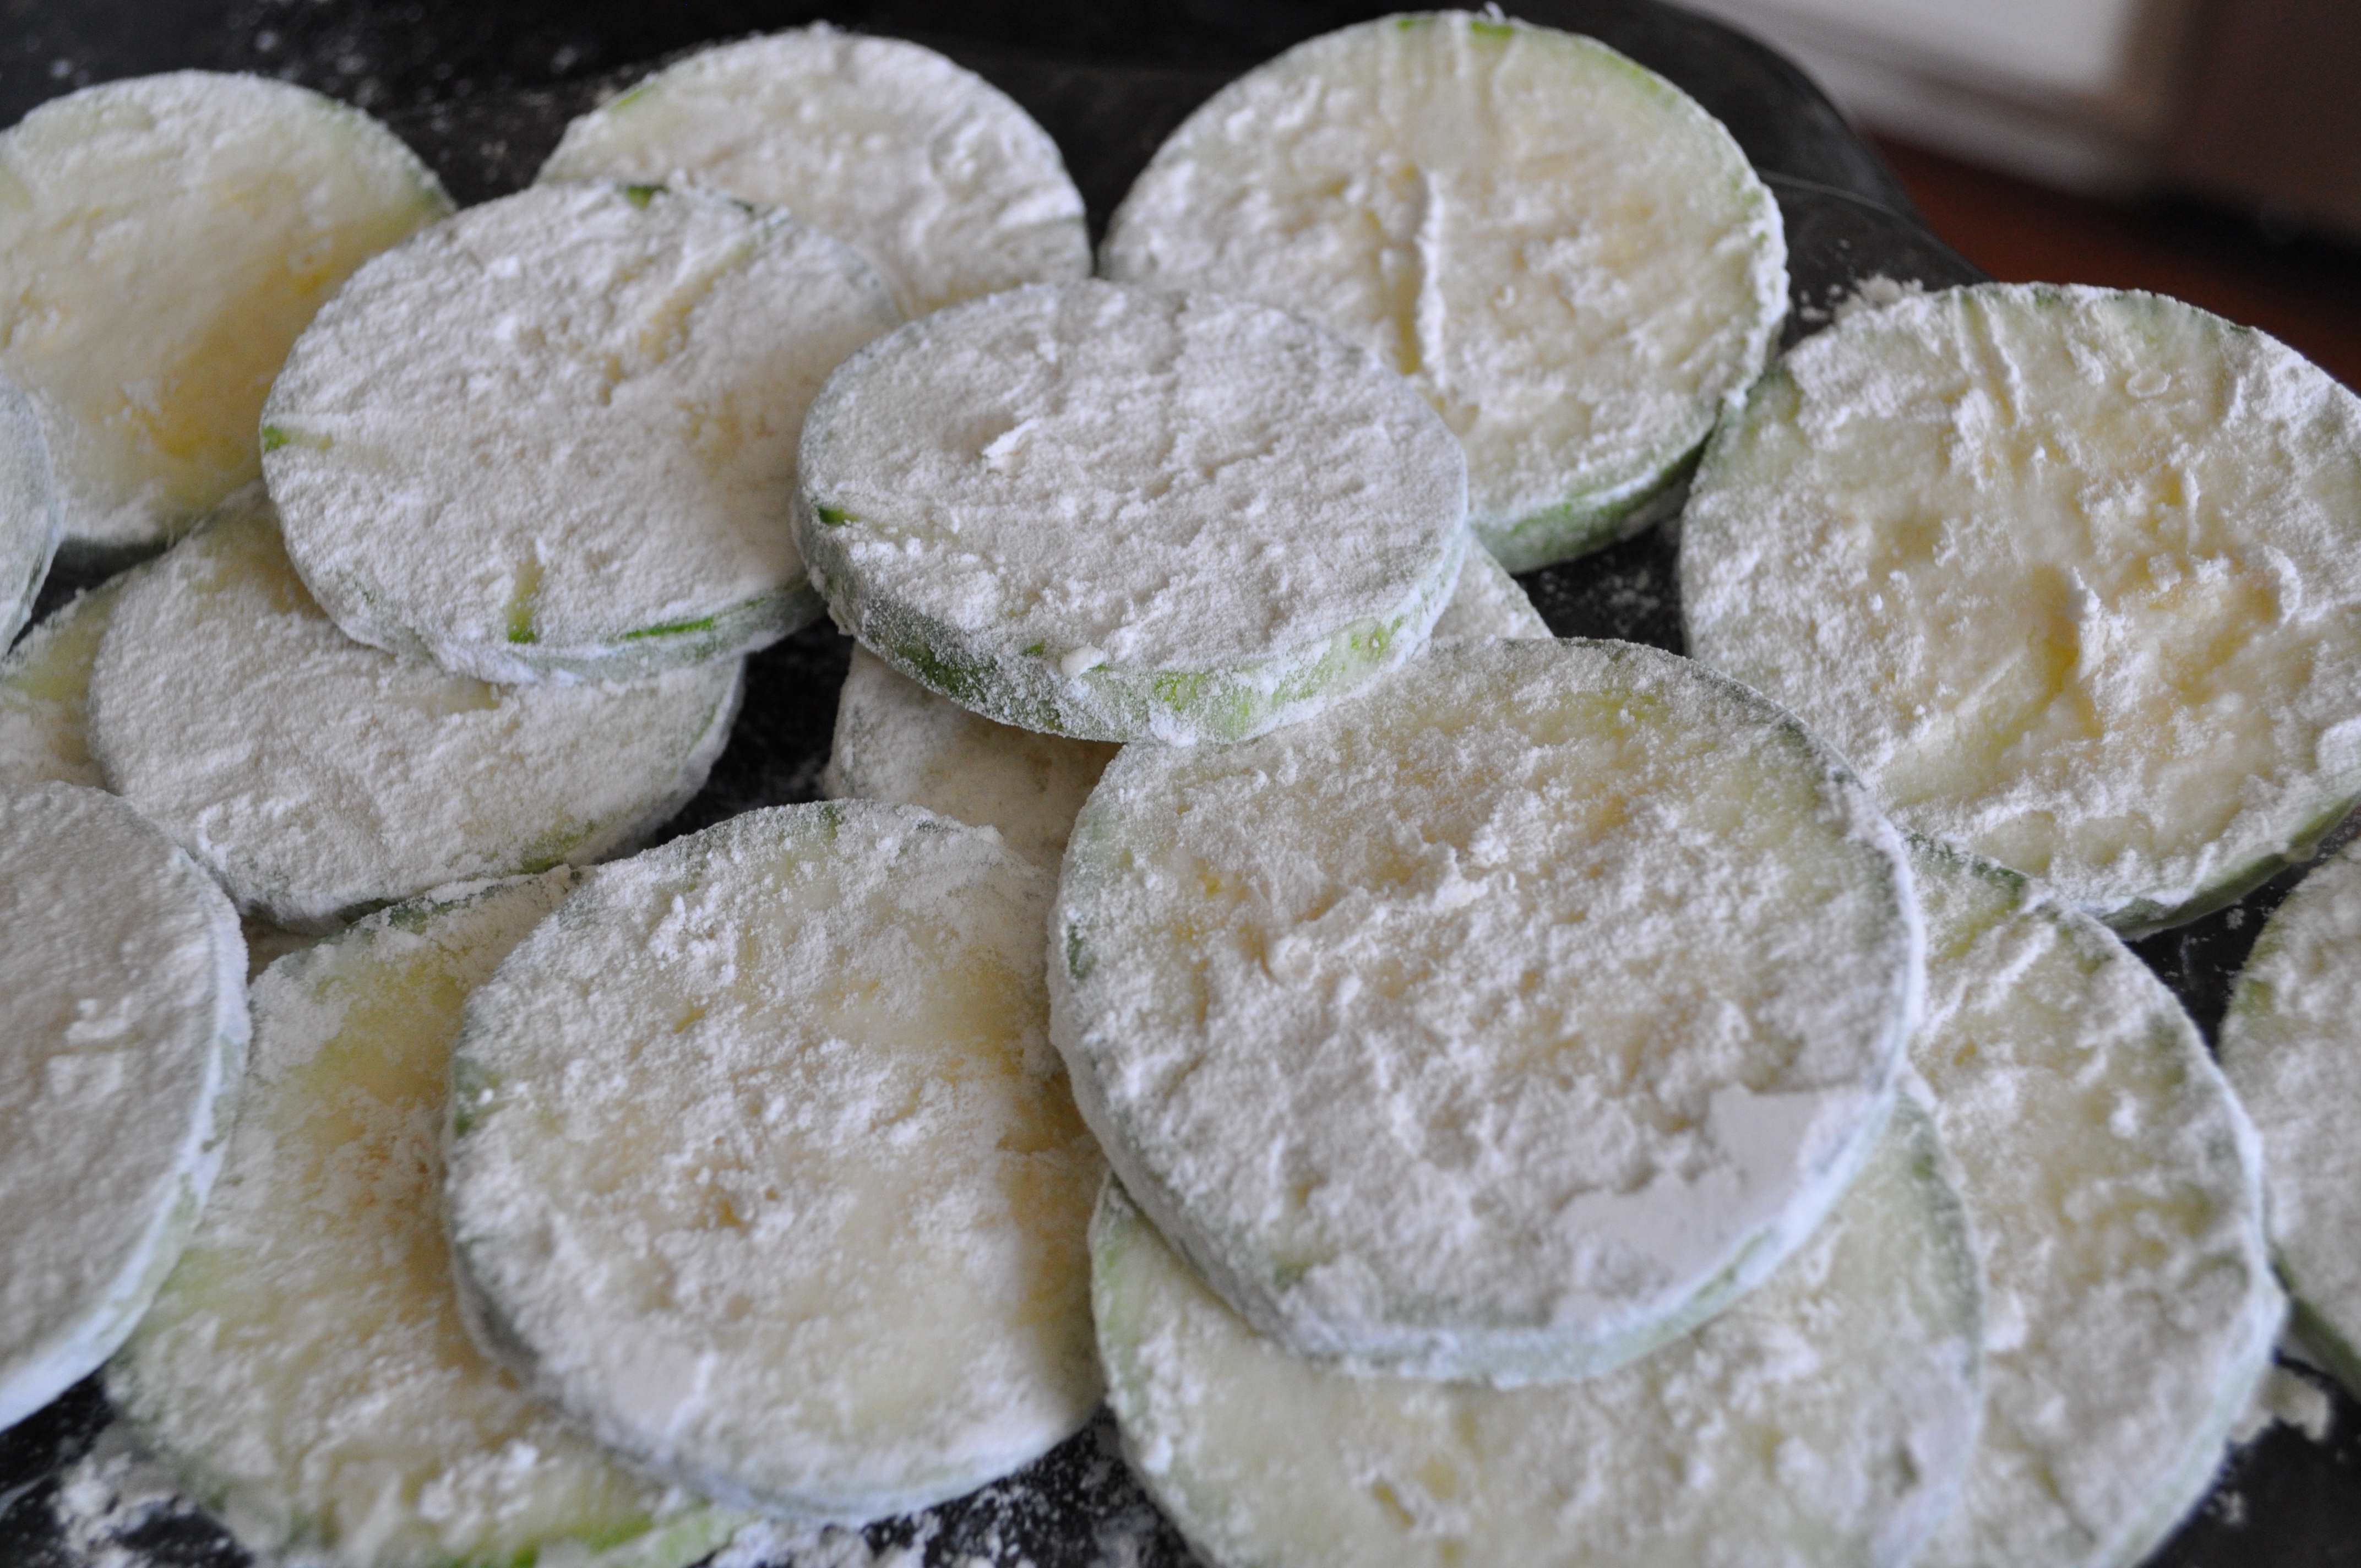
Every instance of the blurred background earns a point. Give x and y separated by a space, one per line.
2206 148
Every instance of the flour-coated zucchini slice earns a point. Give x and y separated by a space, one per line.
2114 1187
162 241
28 512
1487 603
1569 257
2290 1043
1110 513
761 1165
45 693
319 778
934 175
1825 1422
305 1372
896 740
556 436
121 1041
2073 576
1504 1023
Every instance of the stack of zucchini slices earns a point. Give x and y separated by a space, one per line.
1459 1096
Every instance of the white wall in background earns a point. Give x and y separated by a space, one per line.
2073 91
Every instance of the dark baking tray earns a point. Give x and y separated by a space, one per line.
2284 1500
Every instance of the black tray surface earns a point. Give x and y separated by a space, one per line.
2284 1500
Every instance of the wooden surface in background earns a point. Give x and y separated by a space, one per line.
2307 292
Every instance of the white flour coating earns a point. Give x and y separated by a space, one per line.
2292 1048
2072 576
45 694
107 1495
1113 513
1501 1024
762 1165
556 436
2116 1190
931 173
28 511
1487 603
305 1371
314 775
896 740
125 1030
164 241
2286 1398
1571 260
1825 1422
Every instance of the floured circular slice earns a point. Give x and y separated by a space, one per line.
556 436
125 1030
1110 513
931 171
896 740
164 241
1569 257
1487 603
1504 1023
28 522
2114 1185
317 777
2288 1043
45 694
1825 1422
761 1166
305 1371
2072 576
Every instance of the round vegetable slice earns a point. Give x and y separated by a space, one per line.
1503 1023
316 776
1110 513
2072 576
1487 603
761 1166
2114 1187
896 740
2289 1045
1825 1420
305 1370
555 436
28 523
1569 257
931 171
45 693
127 1029
165 240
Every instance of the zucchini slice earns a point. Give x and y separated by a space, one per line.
1570 259
555 437
125 1031
934 175
2073 576
45 693
305 1371
2114 1186
760 1166
319 778
2289 1045
1505 1023
1825 1422
1109 514
164 240
28 512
